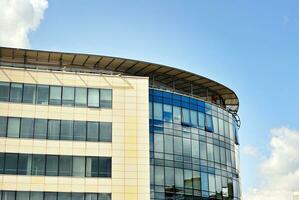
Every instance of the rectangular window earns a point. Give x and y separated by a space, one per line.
105 167
168 144
186 116
65 166
169 176
16 90
53 129
81 97
92 167
29 93
196 180
106 98
158 111
105 131
177 115
64 196
209 123
201 120
23 195
7 195
36 196
13 128
195 149
79 130
92 131
215 124
93 97
216 154
50 196
1 163
188 178
194 120
203 150
3 126
55 95
204 181
159 175
91 196
78 166
24 164
38 165
77 196
159 142
11 163
210 152
212 186
40 128
66 130
187 147
179 178
52 165
221 127
178 143
42 94
167 113
68 96
104 196
27 128
4 91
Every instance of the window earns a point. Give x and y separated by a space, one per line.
66 130
178 143
158 111
167 113
215 124
27 128
55 95
168 143
210 152
212 186
65 166
179 177
79 130
159 142
105 167
29 93
176 115
195 149
188 178
3 126
77 196
64 196
186 116
90 196
194 120
24 164
50 196
203 150
68 96
78 166
81 97
106 98
11 163
40 128
159 175
204 181
8 195
1 163
13 129
222 156
201 120
92 131
53 129
209 123
169 176
104 196
92 167
216 154
16 90
38 165
187 147
42 94
93 97
4 91
36 195
52 165
196 180
221 127
105 131
23 196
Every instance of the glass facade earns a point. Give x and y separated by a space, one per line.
193 149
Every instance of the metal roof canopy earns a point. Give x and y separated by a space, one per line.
160 75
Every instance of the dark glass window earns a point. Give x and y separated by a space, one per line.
68 96
193 117
77 196
90 196
52 165
29 93
203 150
16 90
50 196
27 128
23 195
92 131
201 120
159 147
159 175
11 163
3 126
78 166
8 195
169 176
24 164
105 167
196 180
79 130
42 94
13 128
187 147
1 163
209 123
186 116
53 129
38 165
178 143
92 167
104 196
188 178
66 130
93 97
55 95
158 111
4 91
36 195
40 128
167 113
179 177
81 97
106 98
65 166
64 196
105 131
204 181
168 144
177 115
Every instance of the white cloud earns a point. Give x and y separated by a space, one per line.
280 171
18 18
251 150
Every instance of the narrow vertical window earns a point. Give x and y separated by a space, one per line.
38 165
209 123
159 175
42 94
92 131
186 116
4 91
93 97
81 97
78 166
40 128
11 163
66 130
158 111
167 113
53 129
105 167
92 166
24 164
55 95
16 90
3 126
29 93
201 120
13 128
52 165
79 130
105 131
65 166
27 128
68 96
106 98
177 115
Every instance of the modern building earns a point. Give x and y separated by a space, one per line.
79 126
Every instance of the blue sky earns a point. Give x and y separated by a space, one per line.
250 46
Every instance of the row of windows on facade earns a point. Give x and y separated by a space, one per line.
55 129
24 195
54 165
192 118
55 95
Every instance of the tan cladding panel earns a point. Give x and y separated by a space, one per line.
130 132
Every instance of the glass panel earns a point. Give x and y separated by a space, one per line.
210 152
2 163
4 91
196 180
167 113
159 175
77 196
105 131
177 115
92 131
3 126
8 195
92 167
188 178
55 95
204 181
29 93
179 177
159 147
222 156
11 163
187 147
203 150
36 196
215 124
186 116
24 164
66 132
221 127
105 167
90 196
178 143
68 96
216 154
168 143
169 176
64 196
40 128
38 165
209 123
194 120
150 110
65 166
158 111
212 186
42 94
81 97
53 129
78 166
104 196
79 130
13 129
50 196
201 120
93 97
52 165
23 195
16 90
195 149
106 98
27 128
218 184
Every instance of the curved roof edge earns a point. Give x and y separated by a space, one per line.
160 75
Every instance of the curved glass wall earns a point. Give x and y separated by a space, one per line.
193 149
